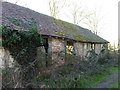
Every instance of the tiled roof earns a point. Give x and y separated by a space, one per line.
18 17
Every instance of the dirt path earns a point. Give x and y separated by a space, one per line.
106 83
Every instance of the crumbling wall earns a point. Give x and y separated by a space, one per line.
78 48
97 48
13 78
6 59
41 53
57 49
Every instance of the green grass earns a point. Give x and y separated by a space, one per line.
113 69
85 81
92 80
115 85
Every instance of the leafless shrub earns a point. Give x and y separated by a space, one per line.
12 77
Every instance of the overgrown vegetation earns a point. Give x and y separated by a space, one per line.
21 44
74 73
23 48
82 74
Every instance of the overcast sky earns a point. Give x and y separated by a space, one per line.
107 9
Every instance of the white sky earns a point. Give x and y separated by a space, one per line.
106 8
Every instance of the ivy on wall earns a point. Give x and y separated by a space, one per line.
22 44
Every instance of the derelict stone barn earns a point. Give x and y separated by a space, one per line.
62 37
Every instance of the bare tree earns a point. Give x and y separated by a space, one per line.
76 12
81 15
93 21
55 6
54 9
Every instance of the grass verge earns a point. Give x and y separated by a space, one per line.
85 80
115 85
95 79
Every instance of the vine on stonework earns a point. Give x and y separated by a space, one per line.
22 44
23 48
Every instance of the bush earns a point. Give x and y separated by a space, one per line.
11 77
110 58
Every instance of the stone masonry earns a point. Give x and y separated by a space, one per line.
57 49
78 48
6 59
97 48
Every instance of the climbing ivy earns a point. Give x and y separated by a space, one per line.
22 44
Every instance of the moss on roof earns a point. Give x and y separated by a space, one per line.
67 27
21 16
70 30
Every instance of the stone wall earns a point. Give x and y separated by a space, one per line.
88 46
78 47
6 59
13 78
83 49
86 49
97 48
57 49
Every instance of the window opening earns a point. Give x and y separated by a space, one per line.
70 48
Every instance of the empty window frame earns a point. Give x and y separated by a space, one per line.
70 47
